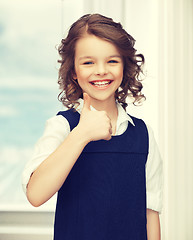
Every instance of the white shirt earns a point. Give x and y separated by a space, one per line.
57 129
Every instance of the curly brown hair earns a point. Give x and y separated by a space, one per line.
106 29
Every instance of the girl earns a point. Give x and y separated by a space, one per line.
104 164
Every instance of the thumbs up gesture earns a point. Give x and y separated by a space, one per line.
94 125
87 102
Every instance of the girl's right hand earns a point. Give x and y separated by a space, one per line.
94 125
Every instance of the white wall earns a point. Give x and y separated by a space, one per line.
176 115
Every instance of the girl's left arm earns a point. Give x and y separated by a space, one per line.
153 225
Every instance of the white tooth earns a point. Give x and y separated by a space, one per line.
101 83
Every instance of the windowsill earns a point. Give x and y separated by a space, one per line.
49 206
23 222
26 208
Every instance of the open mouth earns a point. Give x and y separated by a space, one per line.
101 84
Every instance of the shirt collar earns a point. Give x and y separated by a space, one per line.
122 114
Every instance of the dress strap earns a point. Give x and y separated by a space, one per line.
72 116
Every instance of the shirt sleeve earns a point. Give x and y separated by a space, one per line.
154 175
56 130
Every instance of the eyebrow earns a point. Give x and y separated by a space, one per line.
85 57
118 56
112 56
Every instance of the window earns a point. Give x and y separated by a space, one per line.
29 33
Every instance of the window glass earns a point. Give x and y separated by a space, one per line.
29 34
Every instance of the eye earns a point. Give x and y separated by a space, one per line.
88 63
112 61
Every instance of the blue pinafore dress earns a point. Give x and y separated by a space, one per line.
104 195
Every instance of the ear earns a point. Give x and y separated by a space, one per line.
74 76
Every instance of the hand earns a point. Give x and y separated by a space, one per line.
94 125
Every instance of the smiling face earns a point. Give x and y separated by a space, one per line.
98 68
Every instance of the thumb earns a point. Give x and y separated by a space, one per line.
87 101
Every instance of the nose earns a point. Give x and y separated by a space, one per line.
101 69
